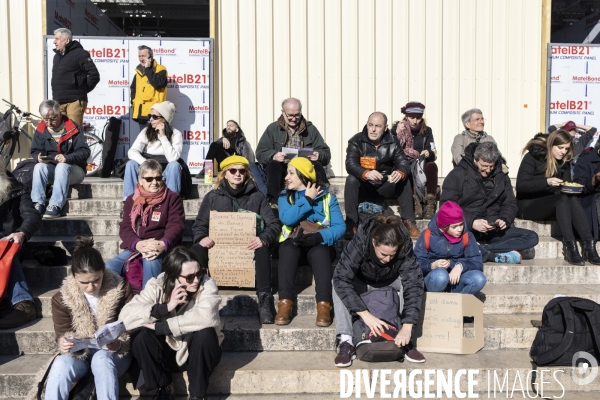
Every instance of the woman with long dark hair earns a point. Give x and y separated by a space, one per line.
379 255
234 190
179 315
88 299
157 139
307 200
417 142
544 168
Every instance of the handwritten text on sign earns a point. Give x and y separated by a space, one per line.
230 262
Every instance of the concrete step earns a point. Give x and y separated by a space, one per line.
547 247
502 332
497 299
294 373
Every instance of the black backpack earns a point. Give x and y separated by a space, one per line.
23 172
569 325
384 304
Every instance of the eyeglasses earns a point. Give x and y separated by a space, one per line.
232 171
292 116
50 119
154 116
149 179
190 278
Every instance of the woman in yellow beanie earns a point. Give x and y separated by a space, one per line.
236 189
307 200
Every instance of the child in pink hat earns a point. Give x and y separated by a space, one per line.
449 255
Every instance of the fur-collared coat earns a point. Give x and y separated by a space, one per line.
73 317
201 312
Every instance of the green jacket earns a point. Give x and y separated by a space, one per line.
275 136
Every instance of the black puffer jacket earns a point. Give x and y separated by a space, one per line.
356 268
17 212
74 74
250 199
389 155
241 146
464 185
531 179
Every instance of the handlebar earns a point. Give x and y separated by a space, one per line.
25 114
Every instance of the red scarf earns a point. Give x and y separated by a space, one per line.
70 131
143 202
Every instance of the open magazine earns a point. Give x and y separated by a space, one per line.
103 336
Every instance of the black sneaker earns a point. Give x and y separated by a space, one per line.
413 355
40 207
350 229
200 175
163 393
52 211
345 356
528 254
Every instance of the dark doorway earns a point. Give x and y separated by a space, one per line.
164 18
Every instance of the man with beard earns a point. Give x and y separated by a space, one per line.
292 131
74 75
149 85
20 221
232 143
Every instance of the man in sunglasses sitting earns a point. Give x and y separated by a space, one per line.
61 153
290 132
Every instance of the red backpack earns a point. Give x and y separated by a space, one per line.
465 239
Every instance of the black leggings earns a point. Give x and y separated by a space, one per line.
157 359
319 257
262 262
566 209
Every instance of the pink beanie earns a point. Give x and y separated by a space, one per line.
450 213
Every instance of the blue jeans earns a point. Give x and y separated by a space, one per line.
17 289
470 282
62 174
171 176
151 268
106 367
504 241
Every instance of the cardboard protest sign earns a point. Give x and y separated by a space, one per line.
441 328
230 262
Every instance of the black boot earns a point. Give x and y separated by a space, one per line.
571 253
266 306
589 252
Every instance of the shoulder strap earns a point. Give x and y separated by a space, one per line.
557 351
427 237
465 240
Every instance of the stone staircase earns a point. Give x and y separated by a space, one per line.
296 361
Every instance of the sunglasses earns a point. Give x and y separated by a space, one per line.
153 116
152 178
190 278
232 171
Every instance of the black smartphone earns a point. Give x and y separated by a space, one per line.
46 158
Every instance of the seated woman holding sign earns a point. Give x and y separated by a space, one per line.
312 223
153 222
89 299
235 190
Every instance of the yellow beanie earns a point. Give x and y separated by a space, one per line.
234 160
305 167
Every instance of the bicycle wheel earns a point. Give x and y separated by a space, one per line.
94 161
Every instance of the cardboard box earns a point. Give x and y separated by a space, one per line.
442 327
229 261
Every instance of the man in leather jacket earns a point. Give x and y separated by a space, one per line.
377 169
